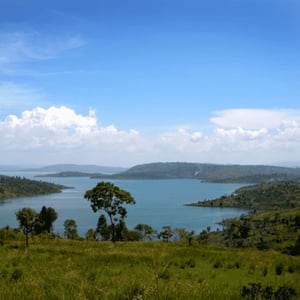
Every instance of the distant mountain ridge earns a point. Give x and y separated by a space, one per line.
207 172
78 168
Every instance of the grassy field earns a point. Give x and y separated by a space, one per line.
66 269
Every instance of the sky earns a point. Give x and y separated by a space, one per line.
125 82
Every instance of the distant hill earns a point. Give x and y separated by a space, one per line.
78 168
208 172
72 174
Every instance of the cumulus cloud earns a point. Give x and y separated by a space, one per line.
254 118
60 134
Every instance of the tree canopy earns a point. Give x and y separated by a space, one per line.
110 198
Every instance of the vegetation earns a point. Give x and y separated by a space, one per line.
254 257
110 198
13 187
277 230
142 270
71 229
265 196
32 222
27 218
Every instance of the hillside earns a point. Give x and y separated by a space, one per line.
13 187
69 269
265 196
207 172
70 174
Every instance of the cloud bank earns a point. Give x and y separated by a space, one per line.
60 134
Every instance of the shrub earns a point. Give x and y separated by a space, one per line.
279 269
218 264
284 293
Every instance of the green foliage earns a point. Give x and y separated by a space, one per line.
91 235
145 230
13 187
266 196
276 230
166 233
257 291
110 198
32 222
70 231
27 218
45 220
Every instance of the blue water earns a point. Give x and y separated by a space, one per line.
158 203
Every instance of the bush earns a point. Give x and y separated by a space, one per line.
279 269
218 264
256 291
284 293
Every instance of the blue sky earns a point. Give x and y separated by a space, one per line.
123 82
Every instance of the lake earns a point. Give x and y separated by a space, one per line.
158 203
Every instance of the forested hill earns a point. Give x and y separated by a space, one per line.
264 196
13 187
208 172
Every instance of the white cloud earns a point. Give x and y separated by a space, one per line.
59 134
254 118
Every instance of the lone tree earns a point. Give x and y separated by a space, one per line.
70 231
145 230
27 218
46 218
110 198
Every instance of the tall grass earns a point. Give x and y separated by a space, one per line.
64 269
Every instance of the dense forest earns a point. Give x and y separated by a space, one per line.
13 187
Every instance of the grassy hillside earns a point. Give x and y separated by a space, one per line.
13 187
64 269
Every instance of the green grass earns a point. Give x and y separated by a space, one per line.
65 269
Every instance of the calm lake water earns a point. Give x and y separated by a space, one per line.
158 203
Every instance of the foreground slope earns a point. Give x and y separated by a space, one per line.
141 270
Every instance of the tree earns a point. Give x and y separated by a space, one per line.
145 230
46 218
166 234
90 235
70 229
110 198
27 218
103 229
